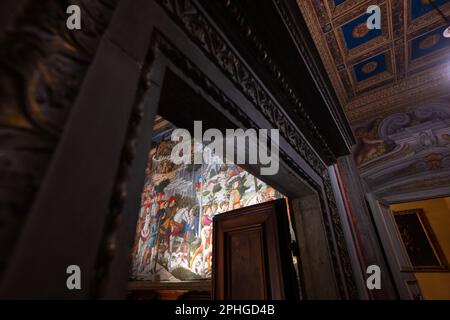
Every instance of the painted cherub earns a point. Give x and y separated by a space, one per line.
368 142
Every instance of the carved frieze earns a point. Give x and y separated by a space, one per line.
217 48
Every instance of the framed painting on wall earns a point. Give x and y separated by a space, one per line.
420 241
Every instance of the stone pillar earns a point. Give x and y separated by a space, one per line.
315 261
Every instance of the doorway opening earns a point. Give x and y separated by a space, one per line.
173 248
424 231
180 100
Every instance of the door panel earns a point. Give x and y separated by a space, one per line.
252 257
245 253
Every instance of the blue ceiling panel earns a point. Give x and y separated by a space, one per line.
428 43
371 67
356 32
422 7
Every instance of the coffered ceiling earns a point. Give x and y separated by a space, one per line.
380 72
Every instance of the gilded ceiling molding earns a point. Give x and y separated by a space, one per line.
416 26
409 52
430 85
307 9
346 6
332 103
380 43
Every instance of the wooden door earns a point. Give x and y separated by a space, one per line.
252 257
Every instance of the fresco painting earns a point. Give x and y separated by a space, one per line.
174 230
368 145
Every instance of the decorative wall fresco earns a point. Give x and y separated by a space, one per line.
398 154
174 233
421 129
369 145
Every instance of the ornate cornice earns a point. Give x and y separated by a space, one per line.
402 96
200 30
264 57
327 93
307 11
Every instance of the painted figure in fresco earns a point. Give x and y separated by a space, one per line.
223 206
198 183
195 221
135 254
207 217
270 194
178 224
235 196
179 247
209 212
154 206
265 194
214 208
204 251
144 235
161 212
166 226
146 207
179 258
368 144
207 248
190 227
233 171
151 246
175 226
200 262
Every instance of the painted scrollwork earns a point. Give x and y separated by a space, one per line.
419 151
